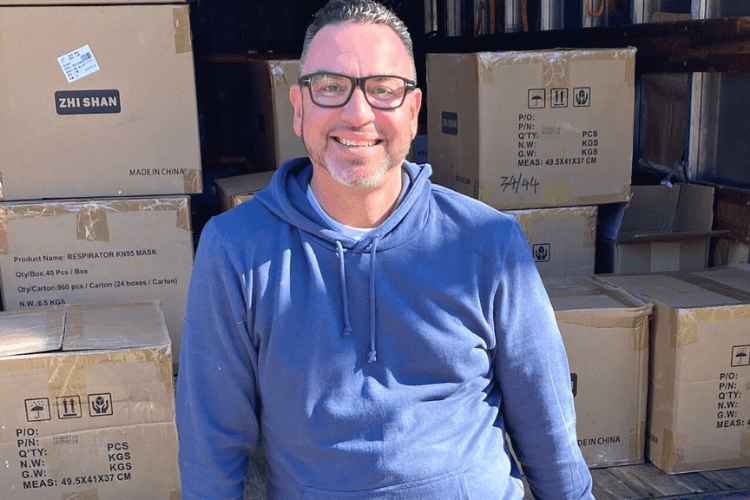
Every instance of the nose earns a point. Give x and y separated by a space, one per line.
357 111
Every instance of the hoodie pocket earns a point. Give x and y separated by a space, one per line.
446 487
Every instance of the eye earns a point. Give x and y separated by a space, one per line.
328 85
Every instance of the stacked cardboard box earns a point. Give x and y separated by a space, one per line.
99 101
662 228
699 367
605 331
549 131
88 403
533 129
100 153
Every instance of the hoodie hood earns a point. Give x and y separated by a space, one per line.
286 197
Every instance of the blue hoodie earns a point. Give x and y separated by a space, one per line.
386 368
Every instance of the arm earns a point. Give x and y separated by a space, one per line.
217 403
532 369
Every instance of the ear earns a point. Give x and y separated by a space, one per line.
295 96
415 104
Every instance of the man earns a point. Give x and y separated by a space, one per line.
379 333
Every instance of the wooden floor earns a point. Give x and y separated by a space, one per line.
628 482
639 482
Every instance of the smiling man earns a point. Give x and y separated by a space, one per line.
380 335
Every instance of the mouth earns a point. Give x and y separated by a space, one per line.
357 144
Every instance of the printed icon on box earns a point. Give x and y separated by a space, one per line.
558 98
100 405
541 252
741 355
536 98
574 383
69 407
581 97
37 410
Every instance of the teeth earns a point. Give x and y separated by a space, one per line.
360 144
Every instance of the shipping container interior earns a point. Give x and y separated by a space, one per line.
692 73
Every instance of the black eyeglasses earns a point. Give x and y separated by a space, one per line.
332 90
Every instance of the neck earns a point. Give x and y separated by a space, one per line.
357 207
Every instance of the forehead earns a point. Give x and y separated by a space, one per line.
358 50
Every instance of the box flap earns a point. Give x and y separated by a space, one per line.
575 293
114 326
31 332
651 210
663 213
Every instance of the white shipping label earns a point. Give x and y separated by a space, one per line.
78 63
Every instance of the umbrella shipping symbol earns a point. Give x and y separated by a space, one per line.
741 355
37 410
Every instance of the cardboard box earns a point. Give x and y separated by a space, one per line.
699 394
97 101
662 228
605 331
733 212
234 190
533 129
100 251
562 240
272 113
88 404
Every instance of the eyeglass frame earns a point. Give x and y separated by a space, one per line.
306 81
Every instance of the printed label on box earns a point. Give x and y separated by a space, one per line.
78 64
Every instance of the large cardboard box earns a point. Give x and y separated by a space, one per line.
662 228
235 189
272 114
562 240
97 101
533 129
699 394
88 404
101 251
605 331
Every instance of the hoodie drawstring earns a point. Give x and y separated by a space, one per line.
372 354
344 295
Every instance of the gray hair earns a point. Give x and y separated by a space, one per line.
357 11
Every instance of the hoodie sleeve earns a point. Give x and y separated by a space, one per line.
531 367
216 387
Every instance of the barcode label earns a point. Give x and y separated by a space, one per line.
78 63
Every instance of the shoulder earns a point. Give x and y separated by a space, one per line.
246 221
469 211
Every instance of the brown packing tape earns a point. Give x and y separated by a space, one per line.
634 318
527 220
637 440
276 74
4 242
182 40
684 322
91 224
672 453
715 287
555 63
177 204
67 376
484 72
193 181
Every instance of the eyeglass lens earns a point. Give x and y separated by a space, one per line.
334 90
